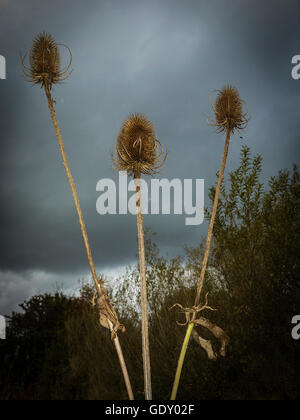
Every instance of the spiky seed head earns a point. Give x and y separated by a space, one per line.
229 115
138 151
44 62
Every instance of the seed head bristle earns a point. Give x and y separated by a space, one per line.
138 151
44 62
229 115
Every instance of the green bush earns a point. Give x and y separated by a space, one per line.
56 348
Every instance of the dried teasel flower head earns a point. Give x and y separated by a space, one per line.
44 62
228 108
138 151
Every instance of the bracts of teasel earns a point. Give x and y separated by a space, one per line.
138 151
229 117
45 70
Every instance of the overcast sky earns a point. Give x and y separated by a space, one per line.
163 58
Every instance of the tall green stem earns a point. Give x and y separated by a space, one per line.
204 265
181 360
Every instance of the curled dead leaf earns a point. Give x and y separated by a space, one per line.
206 345
108 317
218 333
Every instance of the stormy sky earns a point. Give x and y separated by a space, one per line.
163 58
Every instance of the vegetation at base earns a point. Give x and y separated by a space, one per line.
57 350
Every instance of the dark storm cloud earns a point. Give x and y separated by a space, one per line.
163 58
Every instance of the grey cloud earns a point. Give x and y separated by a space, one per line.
162 58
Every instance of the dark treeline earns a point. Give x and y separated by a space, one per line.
56 348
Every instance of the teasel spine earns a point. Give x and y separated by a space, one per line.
138 149
45 65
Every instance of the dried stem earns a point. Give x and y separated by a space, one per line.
122 364
84 234
212 219
144 302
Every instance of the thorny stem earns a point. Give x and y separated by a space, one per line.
84 233
145 328
204 265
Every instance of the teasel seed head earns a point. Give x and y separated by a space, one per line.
44 62
228 109
138 151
